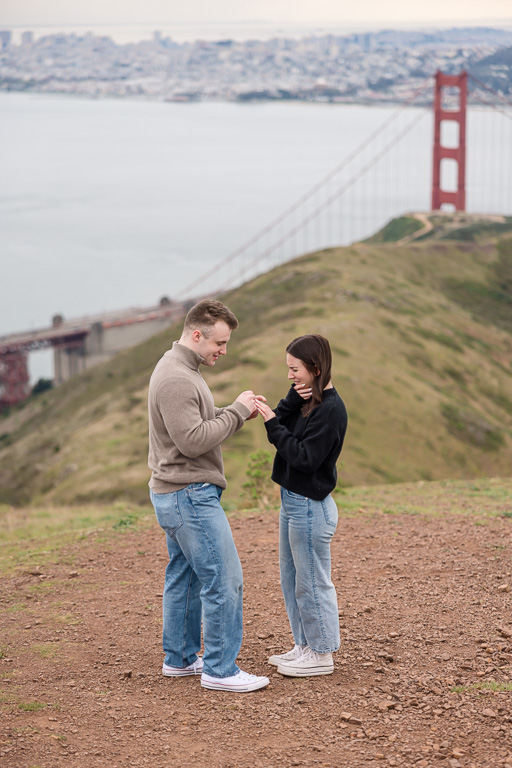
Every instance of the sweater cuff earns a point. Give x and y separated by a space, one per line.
271 423
242 409
294 396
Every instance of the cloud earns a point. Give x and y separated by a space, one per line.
370 12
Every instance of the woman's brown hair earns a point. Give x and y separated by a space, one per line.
315 352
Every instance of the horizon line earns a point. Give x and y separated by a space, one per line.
455 24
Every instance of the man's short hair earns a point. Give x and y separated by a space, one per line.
206 313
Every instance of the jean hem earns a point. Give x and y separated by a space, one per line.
221 677
182 665
329 650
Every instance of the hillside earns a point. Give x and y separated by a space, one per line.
421 331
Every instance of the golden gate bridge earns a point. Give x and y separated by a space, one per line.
335 210
466 176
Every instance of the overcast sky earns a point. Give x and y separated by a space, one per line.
289 12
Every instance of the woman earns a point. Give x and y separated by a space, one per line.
307 428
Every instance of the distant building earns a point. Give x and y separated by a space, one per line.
27 38
365 41
5 38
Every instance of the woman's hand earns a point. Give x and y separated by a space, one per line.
303 391
265 410
257 399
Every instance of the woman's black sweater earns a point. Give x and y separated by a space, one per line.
307 448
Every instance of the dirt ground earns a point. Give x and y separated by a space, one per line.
423 676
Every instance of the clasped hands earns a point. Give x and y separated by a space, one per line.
257 404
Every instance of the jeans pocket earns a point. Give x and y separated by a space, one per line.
296 496
167 511
330 511
202 493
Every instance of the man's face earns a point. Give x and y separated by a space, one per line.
211 347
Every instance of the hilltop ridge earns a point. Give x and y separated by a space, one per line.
439 225
421 332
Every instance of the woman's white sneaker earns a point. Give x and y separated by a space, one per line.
279 658
242 682
309 663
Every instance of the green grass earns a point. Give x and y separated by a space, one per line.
31 536
31 706
472 428
484 685
46 650
479 231
479 499
440 338
396 230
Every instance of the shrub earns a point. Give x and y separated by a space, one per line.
259 488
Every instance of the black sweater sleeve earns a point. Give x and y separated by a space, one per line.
288 406
307 453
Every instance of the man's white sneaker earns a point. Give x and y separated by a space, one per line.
240 683
279 658
193 669
308 664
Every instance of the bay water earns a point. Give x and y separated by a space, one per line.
108 204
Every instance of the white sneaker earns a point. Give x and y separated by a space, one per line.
279 658
241 682
307 664
193 669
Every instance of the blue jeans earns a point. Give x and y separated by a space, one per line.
203 579
306 528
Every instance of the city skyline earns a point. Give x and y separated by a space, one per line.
366 13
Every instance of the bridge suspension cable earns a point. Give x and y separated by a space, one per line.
192 287
323 206
489 150
494 93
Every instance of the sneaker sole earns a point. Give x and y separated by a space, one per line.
235 688
289 671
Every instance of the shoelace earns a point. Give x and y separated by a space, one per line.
246 677
307 653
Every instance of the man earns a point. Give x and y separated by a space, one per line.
203 578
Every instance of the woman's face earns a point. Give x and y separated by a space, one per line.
297 371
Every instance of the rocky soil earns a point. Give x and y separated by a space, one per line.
423 677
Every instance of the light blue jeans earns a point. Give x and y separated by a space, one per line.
203 579
306 528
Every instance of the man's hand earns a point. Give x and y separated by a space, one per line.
249 399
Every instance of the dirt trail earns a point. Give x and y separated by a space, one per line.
424 609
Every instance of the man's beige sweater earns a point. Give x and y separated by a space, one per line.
185 428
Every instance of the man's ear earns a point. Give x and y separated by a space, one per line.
196 335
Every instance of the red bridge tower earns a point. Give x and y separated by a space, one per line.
440 196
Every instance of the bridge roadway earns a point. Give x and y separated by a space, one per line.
79 344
